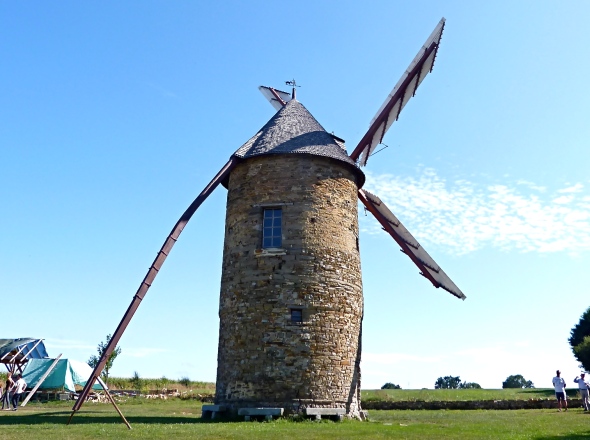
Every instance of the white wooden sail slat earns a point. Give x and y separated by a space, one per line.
269 95
433 38
409 91
426 68
403 90
393 114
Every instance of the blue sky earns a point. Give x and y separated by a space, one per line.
115 115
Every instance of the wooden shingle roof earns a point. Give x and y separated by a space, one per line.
293 130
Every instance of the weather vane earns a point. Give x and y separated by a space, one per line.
293 84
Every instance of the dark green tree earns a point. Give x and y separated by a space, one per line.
447 382
579 342
391 386
582 353
94 360
466 385
517 381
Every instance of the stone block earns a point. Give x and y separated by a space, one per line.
325 411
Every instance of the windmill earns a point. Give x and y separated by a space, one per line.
291 301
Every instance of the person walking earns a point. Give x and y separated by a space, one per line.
19 387
6 395
559 385
583 385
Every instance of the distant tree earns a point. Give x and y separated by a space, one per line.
582 353
465 385
184 381
579 342
447 382
517 381
136 381
391 386
94 360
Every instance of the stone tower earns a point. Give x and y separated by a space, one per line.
291 302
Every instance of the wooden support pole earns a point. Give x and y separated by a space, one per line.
104 386
149 278
32 392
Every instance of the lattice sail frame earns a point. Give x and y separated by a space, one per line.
409 245
404 90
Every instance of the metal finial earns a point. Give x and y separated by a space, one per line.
293 84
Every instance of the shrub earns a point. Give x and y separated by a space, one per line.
162 382
136 381
466 385
391 386
185 381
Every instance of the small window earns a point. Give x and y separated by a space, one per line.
296 316
272 228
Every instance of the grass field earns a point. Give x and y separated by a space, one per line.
179 419
428 395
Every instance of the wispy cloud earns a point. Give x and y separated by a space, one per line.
578 187
463 216
161 90
68 344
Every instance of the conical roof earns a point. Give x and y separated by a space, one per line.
293 130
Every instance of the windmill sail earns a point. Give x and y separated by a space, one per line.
400 95
409 244
277 98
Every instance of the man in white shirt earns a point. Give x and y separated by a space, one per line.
17 389
584 386
559 385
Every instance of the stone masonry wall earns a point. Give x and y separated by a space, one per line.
263 358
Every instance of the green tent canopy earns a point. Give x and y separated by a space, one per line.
66 374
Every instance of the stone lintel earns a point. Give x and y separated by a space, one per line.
325 411
216 408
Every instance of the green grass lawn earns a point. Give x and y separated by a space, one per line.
178 419
428 395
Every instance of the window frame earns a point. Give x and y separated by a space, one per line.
293 311
275 239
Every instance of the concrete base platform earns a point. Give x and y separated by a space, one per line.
267 413
212 411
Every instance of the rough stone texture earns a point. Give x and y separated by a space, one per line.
263 358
